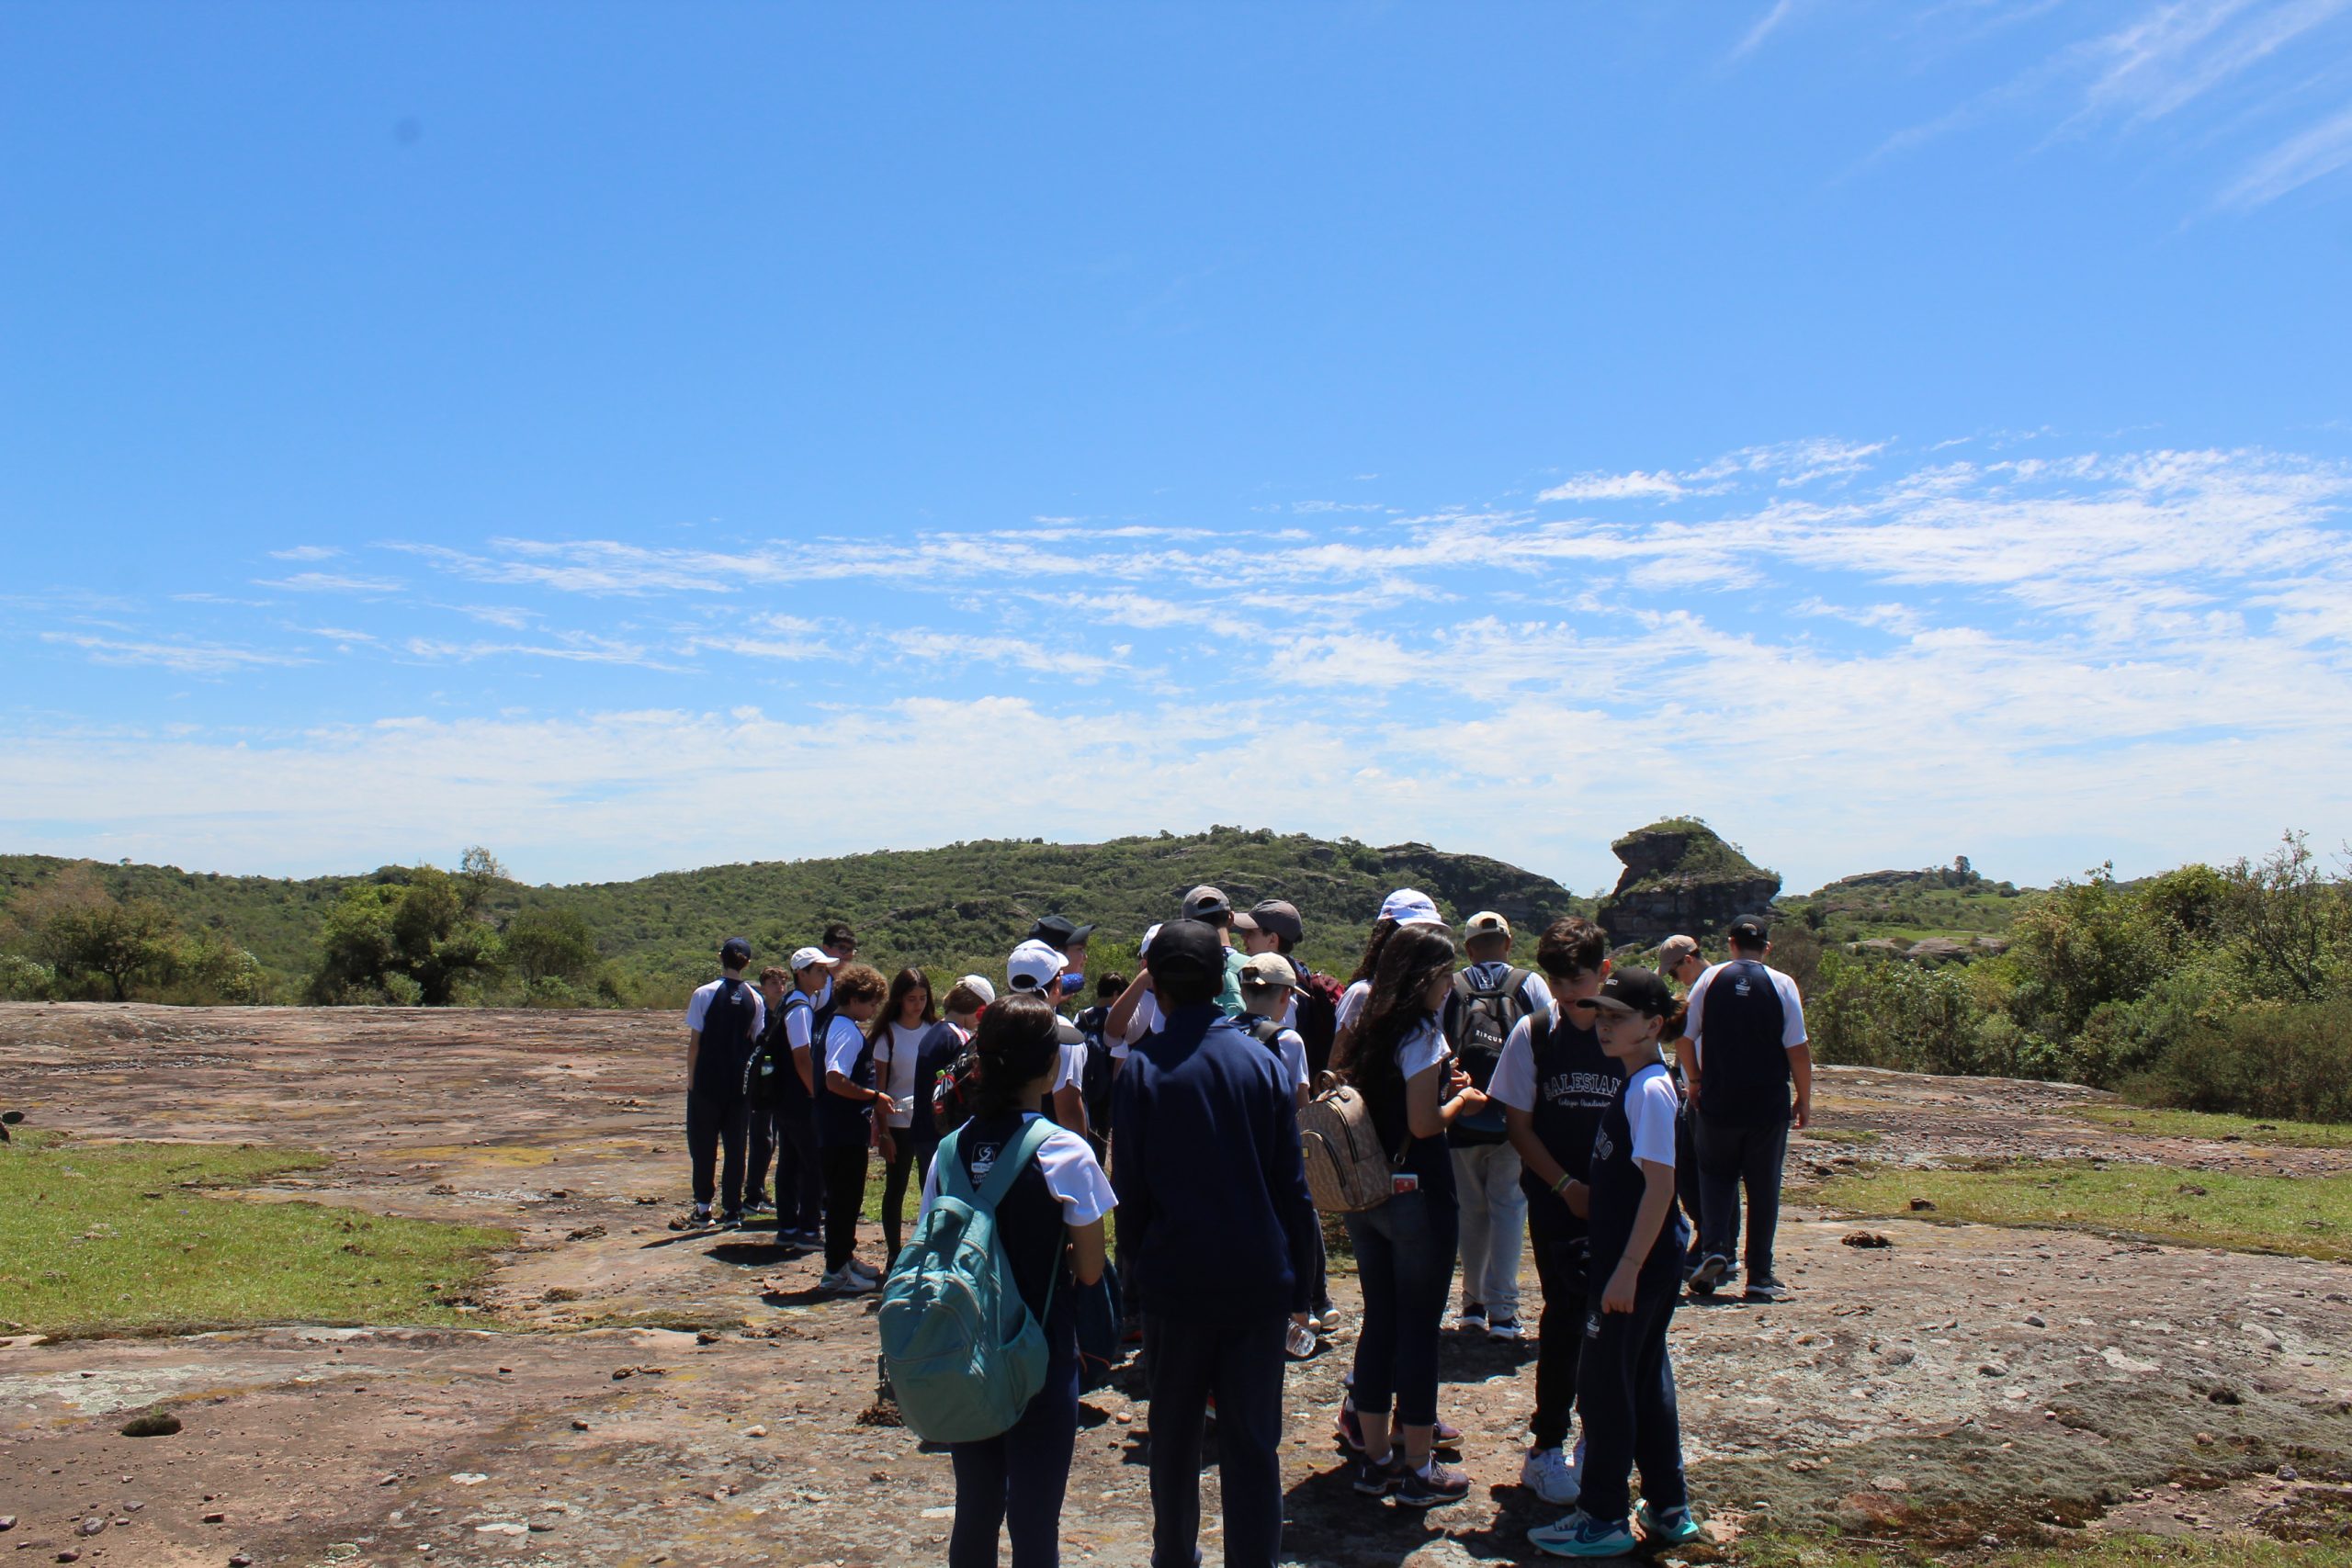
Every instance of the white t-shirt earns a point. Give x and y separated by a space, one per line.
698 1007
1073 1068
1650 1107
1293 1050
897 1080
1494 971
1420 1050
844 1041
797 1021
1792 1011
1514 1080
1144 1020
1072 1175
1352 1002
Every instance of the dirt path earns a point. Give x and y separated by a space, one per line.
1965 1380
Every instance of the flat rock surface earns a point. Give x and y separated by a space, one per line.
1961 1382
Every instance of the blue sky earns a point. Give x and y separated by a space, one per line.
636 438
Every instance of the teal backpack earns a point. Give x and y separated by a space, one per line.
964 1354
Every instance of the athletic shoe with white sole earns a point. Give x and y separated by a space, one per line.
843 1282
1471 1318
1582 1535
1377 1480
1667 1527
1502 1329
1764 1288
1548 1474
1433 1486
861 1267
1709 1273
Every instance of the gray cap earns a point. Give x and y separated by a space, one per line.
1203 901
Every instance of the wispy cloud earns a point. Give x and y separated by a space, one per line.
2230 73
187 658
2310 155
330 582
306 552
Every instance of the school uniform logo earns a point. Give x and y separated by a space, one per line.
984 1159
1604 1146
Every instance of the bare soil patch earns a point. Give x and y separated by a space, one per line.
1963 1382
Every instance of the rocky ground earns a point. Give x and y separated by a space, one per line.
636 1398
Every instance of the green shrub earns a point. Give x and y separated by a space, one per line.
22 980
2290 1061
1897 1015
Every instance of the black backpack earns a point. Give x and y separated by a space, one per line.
1094 1083
957 1090
1477 1022
1316 1016
1266 1032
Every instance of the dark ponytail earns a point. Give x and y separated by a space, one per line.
1018 1042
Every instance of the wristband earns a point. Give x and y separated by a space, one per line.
1561 1186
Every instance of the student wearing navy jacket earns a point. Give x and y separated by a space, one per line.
1625 1382
1218 1240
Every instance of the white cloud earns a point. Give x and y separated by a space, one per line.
2312 153
330 582
189 657
306 552
1633 486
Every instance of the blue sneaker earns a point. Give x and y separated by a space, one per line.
1667 1527
1582 1535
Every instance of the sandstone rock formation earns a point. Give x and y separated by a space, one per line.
1681 875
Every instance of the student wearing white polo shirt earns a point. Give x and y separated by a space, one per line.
1037 969
845 1109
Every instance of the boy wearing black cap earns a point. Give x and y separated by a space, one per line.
1624 1383
723 1021
1218 1245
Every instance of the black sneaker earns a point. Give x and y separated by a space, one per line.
1709 1273
1378 1479
1765 1288
695 1219
730 1222
1431 1488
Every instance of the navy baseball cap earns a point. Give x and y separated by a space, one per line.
1749 931
735 951
1635 990
1186 947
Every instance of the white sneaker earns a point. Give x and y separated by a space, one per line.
861 1268
1548 1474
844 1282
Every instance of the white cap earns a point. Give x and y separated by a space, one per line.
809 955
978 985
1145 945
1410 907
1033 966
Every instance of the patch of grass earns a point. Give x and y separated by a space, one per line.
2093 1552
112 1238
2208 1124
2310 1216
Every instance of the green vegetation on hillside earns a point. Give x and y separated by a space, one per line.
2307 1215
1684 849
1953 901
2208 988
109 1238
417 933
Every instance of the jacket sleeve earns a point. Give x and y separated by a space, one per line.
1131 1180
1286 1176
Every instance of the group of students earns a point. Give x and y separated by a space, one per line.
1509 1103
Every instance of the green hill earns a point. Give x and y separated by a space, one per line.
960 906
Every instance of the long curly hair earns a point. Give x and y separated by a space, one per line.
1411 958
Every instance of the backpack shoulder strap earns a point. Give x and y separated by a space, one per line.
953 1181
1008 1164
1515 983
1539 1030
